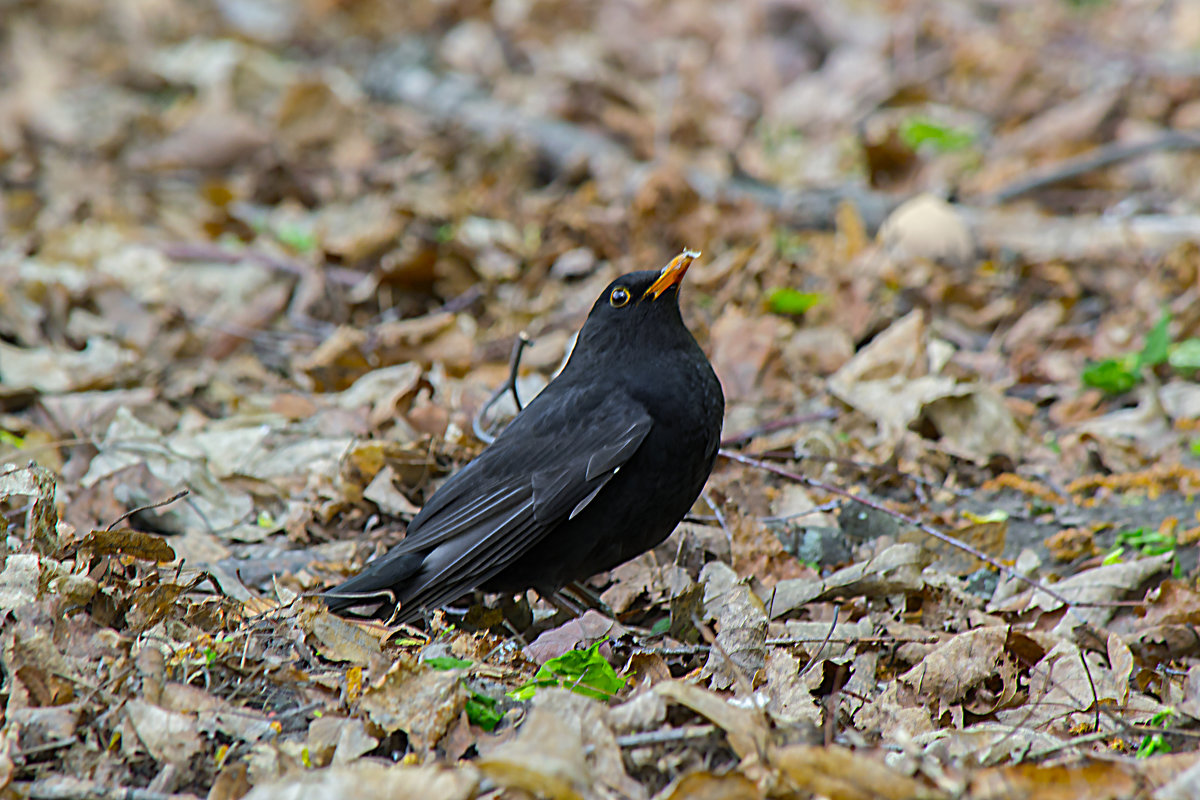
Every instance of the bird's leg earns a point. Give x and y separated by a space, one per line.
562 602
578 591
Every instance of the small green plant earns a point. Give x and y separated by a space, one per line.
1146 543
585 672
784 300
917 131
297 237
481 709
1152 743
1120 374
447 662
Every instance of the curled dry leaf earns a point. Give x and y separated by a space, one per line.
842 774
416 699
563 750
171 737
369 780
128 542
963 669
740 650
745 728
896 569
341 639
789 700
577 634
19 581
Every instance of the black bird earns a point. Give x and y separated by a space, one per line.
597 469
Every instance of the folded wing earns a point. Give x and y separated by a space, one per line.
503 503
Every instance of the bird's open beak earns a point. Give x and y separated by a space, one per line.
672 273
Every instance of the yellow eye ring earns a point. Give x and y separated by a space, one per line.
619 297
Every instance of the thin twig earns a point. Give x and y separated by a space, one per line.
510 385
777 425
63 788
720 517
1052 749
199 251
159 504
931 531
1097 159
667 736
837 609
1095 697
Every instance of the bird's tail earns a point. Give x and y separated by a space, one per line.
375 591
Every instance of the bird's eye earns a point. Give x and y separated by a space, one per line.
619 297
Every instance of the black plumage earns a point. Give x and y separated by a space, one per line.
598 468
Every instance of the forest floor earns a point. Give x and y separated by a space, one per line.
263 263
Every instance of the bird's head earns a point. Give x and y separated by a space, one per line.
641 307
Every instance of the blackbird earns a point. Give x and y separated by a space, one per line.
597 469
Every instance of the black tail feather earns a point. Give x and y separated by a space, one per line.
375 590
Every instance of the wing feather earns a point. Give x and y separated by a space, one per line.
509 498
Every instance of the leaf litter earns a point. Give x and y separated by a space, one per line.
277 256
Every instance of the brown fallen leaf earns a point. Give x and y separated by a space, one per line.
579 633
416 699
125 541
1094 781
340 639
369 780
170 737
564 748
740 650
839 773
705 785
746 729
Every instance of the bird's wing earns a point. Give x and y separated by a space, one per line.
505 501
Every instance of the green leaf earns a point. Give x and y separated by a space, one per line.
995 515
918 130
1112 375
664 625
1185 356
1114 557
1152 745
1162 716
481 711
297 238
1149 542
447 662
585 672
12 439
784 300
1157 343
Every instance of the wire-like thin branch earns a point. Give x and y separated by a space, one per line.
927 529
1097 159
159 504
777 425
510 385
837 609
666 736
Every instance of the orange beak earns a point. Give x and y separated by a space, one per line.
672 273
